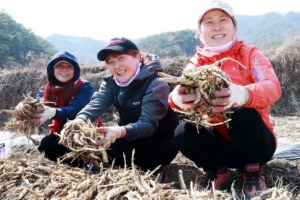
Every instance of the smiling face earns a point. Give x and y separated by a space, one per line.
122 66
217 28
64 72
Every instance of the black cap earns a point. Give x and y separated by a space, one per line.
120 45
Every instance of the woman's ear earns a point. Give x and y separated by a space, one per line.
139 57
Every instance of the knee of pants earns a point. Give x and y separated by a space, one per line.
182 132
241 114
44 144
49 145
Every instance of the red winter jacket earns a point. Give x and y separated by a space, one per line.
258 78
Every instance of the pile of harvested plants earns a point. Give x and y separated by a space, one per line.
24 124
80 139
25 179
203 81
22 179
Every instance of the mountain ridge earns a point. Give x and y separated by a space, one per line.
270 29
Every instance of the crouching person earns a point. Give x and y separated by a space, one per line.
146 123
69 92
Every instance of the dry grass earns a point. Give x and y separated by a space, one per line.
286 63
28 175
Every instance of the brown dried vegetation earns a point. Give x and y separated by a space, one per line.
80 140
27 175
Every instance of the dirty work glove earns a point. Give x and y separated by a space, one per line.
233 96
238 96
181 100
111 133
18 113
48 113
23 110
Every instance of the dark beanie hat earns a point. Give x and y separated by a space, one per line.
62 56
120 45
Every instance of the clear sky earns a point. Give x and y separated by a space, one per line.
106 19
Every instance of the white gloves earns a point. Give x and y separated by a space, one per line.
47 114
111 134
238 96
181 100
23 110
233 96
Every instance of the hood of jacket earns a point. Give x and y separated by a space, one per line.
149 69
59 57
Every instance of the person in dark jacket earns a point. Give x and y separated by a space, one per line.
70 94
146 123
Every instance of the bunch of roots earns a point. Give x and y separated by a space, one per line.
203 81
80 139
24 124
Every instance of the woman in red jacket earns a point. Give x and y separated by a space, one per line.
250 141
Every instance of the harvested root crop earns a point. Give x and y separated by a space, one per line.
203 81
26 179
80 140
25 125
23 179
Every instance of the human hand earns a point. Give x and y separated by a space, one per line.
47 113
111 133
184 101
23 110
233 96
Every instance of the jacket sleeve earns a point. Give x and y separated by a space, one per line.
154 108
265 89
81 99
40 93
99 103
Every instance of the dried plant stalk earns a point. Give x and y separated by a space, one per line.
203 81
